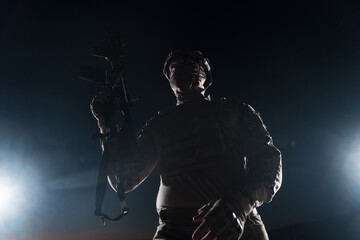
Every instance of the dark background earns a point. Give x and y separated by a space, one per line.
296 62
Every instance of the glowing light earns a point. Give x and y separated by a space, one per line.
20 188
11 196
350 165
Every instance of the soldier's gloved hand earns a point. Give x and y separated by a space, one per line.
104 107
222 219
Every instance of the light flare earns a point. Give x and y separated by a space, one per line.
20 193
11 197
350 165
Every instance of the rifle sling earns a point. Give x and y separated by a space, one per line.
101 189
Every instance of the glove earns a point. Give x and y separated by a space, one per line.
223 219
104 107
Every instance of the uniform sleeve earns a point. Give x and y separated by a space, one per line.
143 161
262 158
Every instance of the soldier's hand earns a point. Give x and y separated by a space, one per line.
217 222
104 107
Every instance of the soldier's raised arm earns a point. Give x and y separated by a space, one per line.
136 168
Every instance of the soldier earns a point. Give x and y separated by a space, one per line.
216 160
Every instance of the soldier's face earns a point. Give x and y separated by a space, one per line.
186 75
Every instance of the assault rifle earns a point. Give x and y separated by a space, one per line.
112 77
